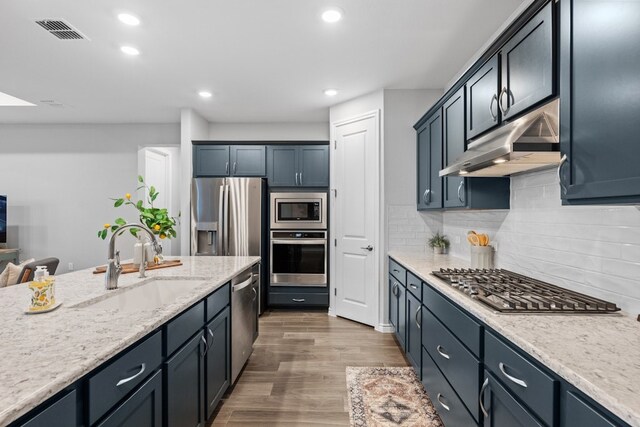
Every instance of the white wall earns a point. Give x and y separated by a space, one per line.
280 132
590 249
59 179
192 126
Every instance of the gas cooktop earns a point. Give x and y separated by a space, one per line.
509 292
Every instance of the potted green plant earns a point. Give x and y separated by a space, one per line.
156 219
439 243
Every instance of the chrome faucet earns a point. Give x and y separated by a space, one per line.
113 266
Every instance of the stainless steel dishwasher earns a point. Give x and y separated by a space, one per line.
245 288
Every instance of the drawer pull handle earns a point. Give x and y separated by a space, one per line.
481 397
297 299
511 378
413 286
133 377
396 270
442 353
416 317
444 405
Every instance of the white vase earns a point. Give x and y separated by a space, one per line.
138 250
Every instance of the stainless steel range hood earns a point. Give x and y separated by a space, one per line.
528 143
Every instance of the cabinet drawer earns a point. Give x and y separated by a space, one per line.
459 365
579 413
62 413
143 408
398 271
109 386
414 285
217 301
184 327
532 385
449 406
467 330
299 299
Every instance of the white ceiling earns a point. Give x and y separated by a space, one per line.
264 60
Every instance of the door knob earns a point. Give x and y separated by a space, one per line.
368 248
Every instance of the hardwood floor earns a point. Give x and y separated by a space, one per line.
296 374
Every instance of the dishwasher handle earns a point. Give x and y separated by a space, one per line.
240 286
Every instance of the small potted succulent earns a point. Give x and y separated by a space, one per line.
439 243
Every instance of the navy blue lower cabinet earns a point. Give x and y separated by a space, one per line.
142 409
218 359
61 413
459 366
414 336
578 413
401 333
449 406
185 384
393 302
501 409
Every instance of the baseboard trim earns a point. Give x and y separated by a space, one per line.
385 328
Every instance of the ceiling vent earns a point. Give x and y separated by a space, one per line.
61 29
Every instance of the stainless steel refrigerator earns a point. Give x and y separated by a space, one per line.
229 218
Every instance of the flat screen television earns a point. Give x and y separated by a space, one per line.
3 219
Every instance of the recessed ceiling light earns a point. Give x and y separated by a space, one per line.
204 94
128 19
130 50
331 92
332 15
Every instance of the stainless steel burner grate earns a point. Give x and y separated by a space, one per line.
509 292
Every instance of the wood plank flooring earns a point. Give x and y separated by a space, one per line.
296 374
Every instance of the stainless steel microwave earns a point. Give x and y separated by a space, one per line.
299 211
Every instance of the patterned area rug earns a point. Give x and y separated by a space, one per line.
389 397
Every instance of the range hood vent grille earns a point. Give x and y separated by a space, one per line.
61 29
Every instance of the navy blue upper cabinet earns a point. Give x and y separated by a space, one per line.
282 166
248 160
314 166
298 165
527 66
600 102
229 160
482 91
211 160
454 145
429 159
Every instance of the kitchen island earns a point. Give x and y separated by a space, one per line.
599 355
42 354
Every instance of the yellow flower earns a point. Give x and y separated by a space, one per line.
162 236
157 227
127 196
107 225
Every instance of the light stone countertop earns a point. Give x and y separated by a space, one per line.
599 354
42 354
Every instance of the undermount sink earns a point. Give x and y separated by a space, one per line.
147 295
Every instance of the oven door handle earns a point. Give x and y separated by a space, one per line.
299 242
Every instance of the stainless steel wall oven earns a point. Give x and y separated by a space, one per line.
298 258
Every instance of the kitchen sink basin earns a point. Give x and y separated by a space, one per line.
147 295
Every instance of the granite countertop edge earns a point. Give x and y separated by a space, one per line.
511 327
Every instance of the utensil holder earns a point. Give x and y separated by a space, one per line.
481 256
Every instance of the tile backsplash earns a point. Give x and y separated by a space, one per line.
590 249
409 229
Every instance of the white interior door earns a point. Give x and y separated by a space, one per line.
156 170
355 217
